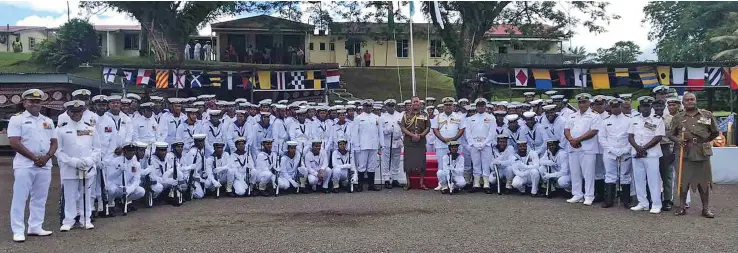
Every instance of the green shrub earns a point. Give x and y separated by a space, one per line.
75 43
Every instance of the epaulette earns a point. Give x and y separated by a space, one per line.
63 124
626 115
18 113
608 116
656 116
86 123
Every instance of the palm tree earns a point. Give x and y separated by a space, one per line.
729 41
580 54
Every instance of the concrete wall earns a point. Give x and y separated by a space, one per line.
384 53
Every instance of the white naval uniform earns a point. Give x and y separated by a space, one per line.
145 130
195 165
186 131
582 159
559 168
288 168
613 137
342 164
515 136
178 165
196 55
323 130
503 160
392 134
36 133
340 131
367 138
218 171
448 126
280 134
119 170
556 130
300 132
169 126
262 173
78 152
599 160
451 168
259 133
214 133
312 167
464 147
87 116
536 137
114 131
526 172
156 170
238 130
646 169
479 135
240 166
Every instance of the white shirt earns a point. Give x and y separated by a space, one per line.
522 164
77 140
343 161
288 166
145 129
168 126
644 129
457 165
186 132
316 162
216 166
536 137
448 126
120 169
479 130
259 133
559 163
265 162
213 134
391 129
367 133
578 124
613 135
114 131
300 132
341 131
195 160
87 116
237 131
35 132
322 130
241 164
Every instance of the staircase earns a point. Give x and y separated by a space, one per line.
342 94
431 167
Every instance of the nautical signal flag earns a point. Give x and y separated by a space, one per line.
264 80
109 74
733 77
179 78
580 77
562 77
600 78
162 79
622 77
648 77
714 75
543 79
143 77
214 78
333 79
196 78
521 77
695 78
677 79
663 72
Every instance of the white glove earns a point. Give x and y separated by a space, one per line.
354 179
88 162
546 176
76 162
496 161
547 163
216 184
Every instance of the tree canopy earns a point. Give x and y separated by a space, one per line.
620 52
75 43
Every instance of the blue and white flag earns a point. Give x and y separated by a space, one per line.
723 124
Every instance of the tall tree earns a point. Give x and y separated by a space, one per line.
580 53
726 38
466 24
621 52
168 24
682 29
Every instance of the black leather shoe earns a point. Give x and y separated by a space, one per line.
387 185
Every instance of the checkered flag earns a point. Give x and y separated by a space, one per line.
297 80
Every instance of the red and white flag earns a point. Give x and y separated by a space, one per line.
521 77
144 76
695 78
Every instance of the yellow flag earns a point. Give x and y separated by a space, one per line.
664 73
600 79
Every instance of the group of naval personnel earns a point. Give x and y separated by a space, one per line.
113 150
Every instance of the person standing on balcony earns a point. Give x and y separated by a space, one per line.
208 51
367 59
293 55
250 54
198 48
300 56
187 51
415 125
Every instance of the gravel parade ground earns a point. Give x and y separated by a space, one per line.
387 221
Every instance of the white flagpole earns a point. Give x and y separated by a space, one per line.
412 57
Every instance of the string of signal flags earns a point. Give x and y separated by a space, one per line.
690 76
229 79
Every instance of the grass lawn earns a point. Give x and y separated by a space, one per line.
383 83
10 58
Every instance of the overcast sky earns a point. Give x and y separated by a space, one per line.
54 13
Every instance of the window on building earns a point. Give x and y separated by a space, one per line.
502 50
99 40
31 43
518 46
130 42
332 46
310 46
402 48
322 46
435 48
353 47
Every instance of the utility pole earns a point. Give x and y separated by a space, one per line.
68 11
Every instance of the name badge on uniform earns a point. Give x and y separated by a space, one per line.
83 132
649 126
422 117
28 122
486 121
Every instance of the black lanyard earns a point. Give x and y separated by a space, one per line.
213 131
238 131
117 124
302 128
176 122
532 134
269 159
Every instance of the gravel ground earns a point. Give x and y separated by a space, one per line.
386 221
